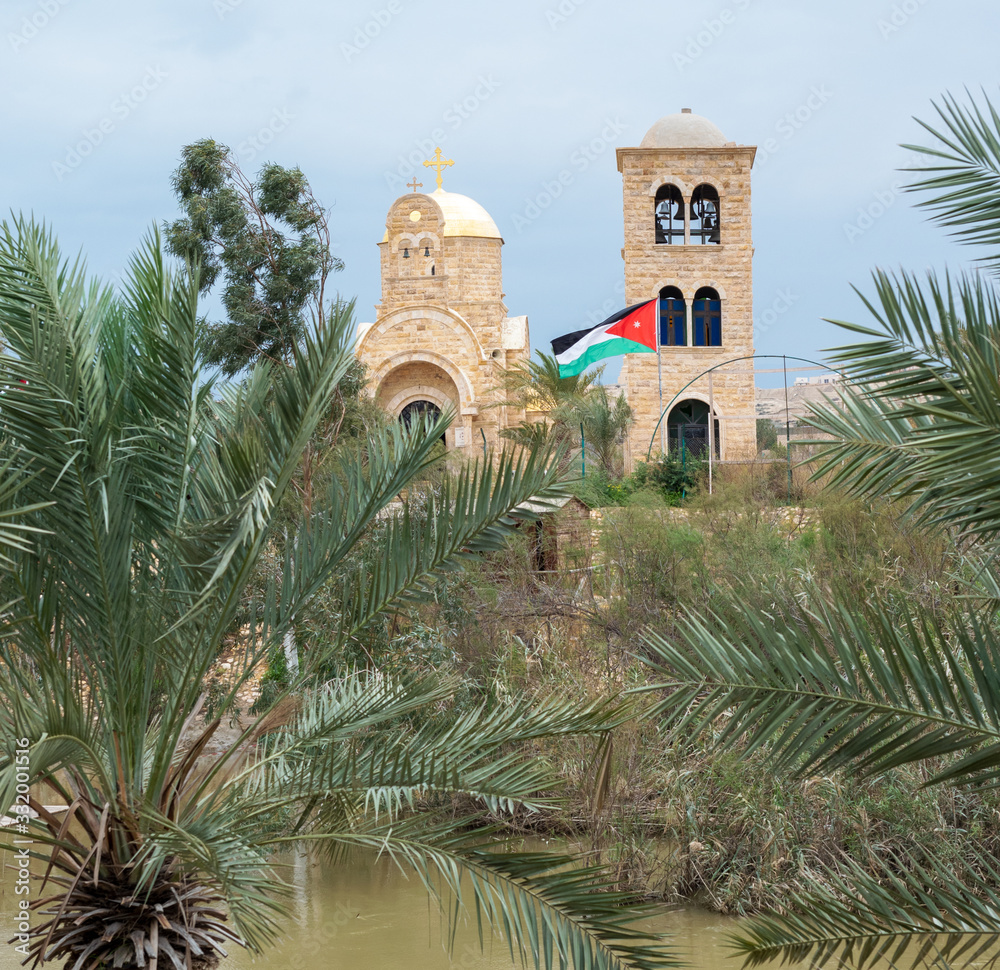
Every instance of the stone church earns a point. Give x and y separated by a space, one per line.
442 332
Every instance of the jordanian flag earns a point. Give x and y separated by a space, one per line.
629 331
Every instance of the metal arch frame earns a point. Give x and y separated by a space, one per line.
711 417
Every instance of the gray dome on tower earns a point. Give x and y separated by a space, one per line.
683 130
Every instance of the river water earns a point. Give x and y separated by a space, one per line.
367 915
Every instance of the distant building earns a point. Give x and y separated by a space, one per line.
442 334
688 243
822 379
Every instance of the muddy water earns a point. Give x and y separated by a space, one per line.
369 916
366 915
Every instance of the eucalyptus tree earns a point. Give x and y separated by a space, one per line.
269 239
827 684
137 500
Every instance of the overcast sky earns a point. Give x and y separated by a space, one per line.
101 95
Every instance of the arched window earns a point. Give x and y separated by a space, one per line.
706 318
420 411
416 410
673 329
705 216
687 429
669 215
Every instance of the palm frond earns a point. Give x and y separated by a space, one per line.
432 531
836 686
910 912
920 417
963 173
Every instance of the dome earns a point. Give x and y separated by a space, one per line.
462 216
683 130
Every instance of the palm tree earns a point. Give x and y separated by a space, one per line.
605 423
574 406
829 685
137 504
537 385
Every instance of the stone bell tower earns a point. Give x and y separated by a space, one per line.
688 244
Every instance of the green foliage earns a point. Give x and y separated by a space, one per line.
537 385
604 425
144 498
598 490
670 474
654 565
269 240
579 413
767 434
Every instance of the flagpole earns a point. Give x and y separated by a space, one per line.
659 373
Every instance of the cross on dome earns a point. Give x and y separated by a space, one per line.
439 164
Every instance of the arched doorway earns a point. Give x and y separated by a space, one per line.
417 410
687 429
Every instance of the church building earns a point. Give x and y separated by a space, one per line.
442 334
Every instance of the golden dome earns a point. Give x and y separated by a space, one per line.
462 216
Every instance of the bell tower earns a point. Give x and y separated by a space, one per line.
688 244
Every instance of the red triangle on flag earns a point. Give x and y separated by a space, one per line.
639 325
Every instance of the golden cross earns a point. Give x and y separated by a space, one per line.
438 163
415 184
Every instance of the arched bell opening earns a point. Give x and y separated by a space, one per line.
669 215
687 429
705 215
